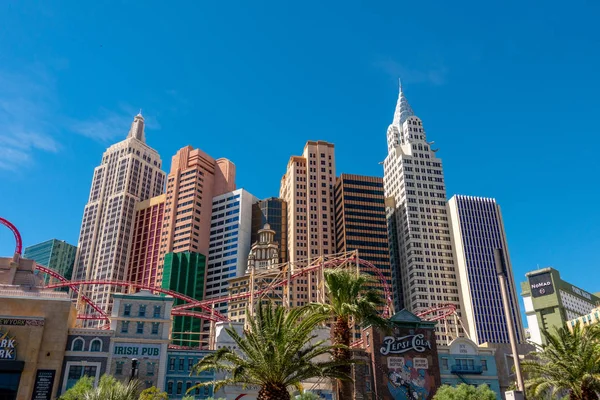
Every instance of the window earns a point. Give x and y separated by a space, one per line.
142 310
77 345
484 365
170 387
125 327
156 312
140 328
190 363
149 369
155 328
119 369
179 387
444 363
96 345
127 310
171 364
181 361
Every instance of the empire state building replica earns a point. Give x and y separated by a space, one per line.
423 272
130 171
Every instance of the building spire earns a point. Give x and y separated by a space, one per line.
137 128
403 109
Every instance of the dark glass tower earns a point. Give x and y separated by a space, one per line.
272 211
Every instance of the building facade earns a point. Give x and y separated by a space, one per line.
142 323
272 211
550 302
421 253
230 230
477 230
195 178
360 222
263 257
462 361
34 325
147 229
180 376
86 354
592 318
186 273
307 188
130 172
57 255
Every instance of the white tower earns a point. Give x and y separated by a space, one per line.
423 272
130 172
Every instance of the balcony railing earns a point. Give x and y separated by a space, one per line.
466 369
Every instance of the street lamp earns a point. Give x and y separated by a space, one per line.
134 369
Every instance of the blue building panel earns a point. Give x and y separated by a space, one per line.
179 377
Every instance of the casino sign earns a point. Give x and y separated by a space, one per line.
8 349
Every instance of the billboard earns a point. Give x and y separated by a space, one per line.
541 285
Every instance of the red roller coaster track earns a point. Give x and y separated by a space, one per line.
437 313
15 231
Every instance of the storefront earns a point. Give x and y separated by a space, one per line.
34 324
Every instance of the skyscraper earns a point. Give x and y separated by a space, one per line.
264 255
272 211
57 255
130 172
360 221
307 188
423 272
185 273
230 244
194 180
477 229
147 229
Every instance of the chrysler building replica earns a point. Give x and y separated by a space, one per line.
130 172
423 272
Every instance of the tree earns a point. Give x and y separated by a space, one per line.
83 385
307 396
152 393
277 351
110 388
349 297
569 363
464 392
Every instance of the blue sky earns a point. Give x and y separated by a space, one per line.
508 92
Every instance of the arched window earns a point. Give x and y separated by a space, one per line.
77 344
96 345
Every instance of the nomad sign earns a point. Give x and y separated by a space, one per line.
541 285
398 345
137 350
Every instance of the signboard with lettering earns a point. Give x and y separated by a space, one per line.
44 382
8 347
398 345
139 350
22 321
541 285
581 293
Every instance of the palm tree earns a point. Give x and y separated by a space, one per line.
568 364
110 388
349 297
276 352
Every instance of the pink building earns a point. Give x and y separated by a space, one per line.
147 229
194 180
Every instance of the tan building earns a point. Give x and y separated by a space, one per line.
130 172
263 257
592 318
307 187
34 325
194 180
147 229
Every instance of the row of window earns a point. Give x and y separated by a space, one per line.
141 311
